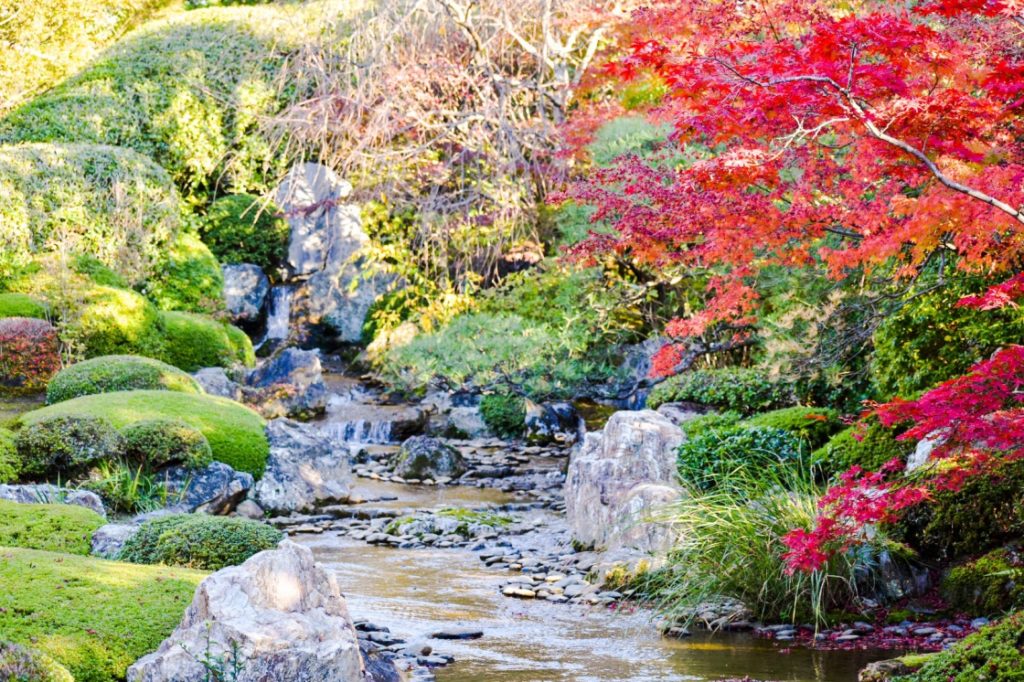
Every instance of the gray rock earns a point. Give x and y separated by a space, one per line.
216 381
466 421
552 423
618 477
245 292
108 540
883 671
680 413
423 457
44 493
310 196
250 510
458 633
300 373
280 614
217 489
303 471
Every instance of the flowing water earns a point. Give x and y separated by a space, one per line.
279 314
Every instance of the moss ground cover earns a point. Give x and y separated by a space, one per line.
117 373
54 527
94 617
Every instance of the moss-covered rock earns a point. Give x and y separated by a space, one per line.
21 664
199 541
66 444
235 432
989 585
242 228
92 616
118 373
22 305
993 654
193 341
868 447
53 527
155 443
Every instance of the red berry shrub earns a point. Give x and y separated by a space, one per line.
29 354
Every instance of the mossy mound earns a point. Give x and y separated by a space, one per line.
188 277
811 425
154 443
92 616
64 528
989 585
199 541
235 433
990 655
118 373
22 305
66 445
193 341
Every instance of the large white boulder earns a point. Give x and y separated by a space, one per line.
280 616
619 477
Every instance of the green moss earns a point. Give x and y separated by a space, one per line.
94 617
154 443
235 433
10 463
710 422
990 655
812 425
744 390
244 229
713 454
21 664
869 448
468 517
21 305
113 204
66 444
118 373
199 541
53 527
504 414
988 585
118 321
188 278
193 341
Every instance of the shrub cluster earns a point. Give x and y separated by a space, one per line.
199 541
66 444
193 341
188 277
110 373
20 664
21 305
744 390
235 433
29 354
10 462
114 321
242 228
989 585
64 528
504 414
717 452
811 425
155 443
868 447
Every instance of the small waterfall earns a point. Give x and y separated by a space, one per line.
358 431
279 314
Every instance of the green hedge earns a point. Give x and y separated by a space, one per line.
113 204
990 655
714 453
242 228
64 528
110 373
236 433
744 390
22 305
188 278
193 341
154 443
199 541
66 444
92 616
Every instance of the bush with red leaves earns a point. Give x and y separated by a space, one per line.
29 354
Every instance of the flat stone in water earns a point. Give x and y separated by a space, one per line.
458 633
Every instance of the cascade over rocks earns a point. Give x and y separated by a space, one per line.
303 471
246 288
282 612
423 457
326 236
618 476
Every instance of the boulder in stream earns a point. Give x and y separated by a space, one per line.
618 477
424 457
303 471
245 293
290 384
548 423
279 615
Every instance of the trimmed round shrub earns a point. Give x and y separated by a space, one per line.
744 390
118 373
504 414
811 425
199 541
990 655
242 228
20 664
66 528
867 447
29 354
10 463
235 432
714 421
989 585
159 442
193 341
66 444
118 321
187 278
716 452
21 305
